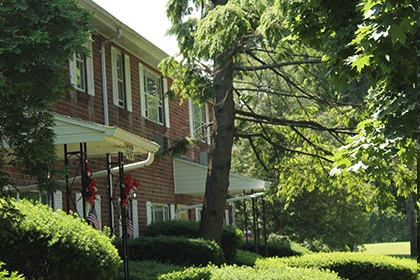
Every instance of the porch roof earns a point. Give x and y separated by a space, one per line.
100 139
190 178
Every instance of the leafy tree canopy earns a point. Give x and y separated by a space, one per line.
38 39
376 40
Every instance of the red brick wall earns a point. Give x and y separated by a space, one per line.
156 181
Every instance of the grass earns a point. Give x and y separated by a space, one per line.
400 249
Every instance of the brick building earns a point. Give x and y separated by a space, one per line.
118 118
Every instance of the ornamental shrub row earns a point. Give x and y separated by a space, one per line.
44 244
174 250
352 266
277 248
231 237
233 272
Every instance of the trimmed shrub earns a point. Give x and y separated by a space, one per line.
246 258
148 270
283 272
231 237
44 244
174 250
278 248
173 228
357 266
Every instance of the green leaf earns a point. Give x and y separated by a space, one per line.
361 61
397 33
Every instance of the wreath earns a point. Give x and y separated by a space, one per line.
130 185
91 189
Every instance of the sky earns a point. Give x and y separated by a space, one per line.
148 18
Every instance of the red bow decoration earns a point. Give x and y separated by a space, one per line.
91 190
130 185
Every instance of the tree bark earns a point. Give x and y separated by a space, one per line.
217 182
417 194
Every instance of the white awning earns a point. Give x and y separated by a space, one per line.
100 139
190 178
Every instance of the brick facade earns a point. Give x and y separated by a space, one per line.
157 181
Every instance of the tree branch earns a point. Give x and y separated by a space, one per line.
256 118
277 65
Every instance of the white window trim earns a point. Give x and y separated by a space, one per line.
127 79
150 214
89 71
198 213
135 217
207 120
165 104
227 221
57 200
79 207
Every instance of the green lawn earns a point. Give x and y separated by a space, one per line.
391 248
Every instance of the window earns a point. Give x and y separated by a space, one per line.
159 212
121 79
55 201
81 72
182 215
152 88
199 120
79 200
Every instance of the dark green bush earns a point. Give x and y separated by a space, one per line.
175 250
352 266
282 272
231 237
44 244
173 228
277 248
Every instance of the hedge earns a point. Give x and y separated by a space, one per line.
174 250
277 248
148 270
44 244
282 272
230 241
357 266
244 257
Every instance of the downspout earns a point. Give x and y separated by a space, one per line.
128 167
103 68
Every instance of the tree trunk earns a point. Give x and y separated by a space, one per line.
217 182
418 165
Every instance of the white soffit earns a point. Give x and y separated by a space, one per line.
190 178
99 139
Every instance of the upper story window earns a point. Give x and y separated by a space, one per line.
121 79
81 72
152 89
199 122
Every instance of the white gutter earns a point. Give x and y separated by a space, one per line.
254 195
103 68
127 167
